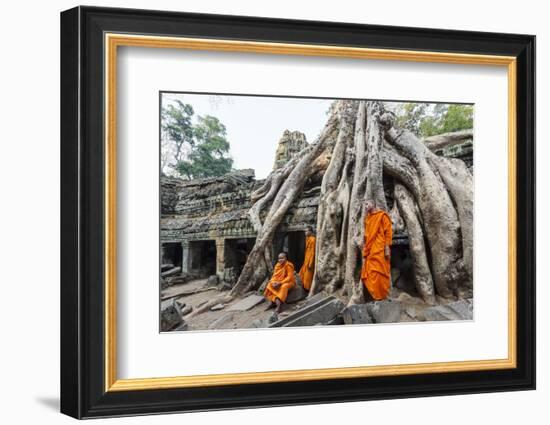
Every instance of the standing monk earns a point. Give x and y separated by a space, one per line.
375 272
308 268
281 282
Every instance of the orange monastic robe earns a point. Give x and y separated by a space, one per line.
306 272
284 274
375 272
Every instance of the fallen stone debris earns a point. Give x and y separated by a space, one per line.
385 311
180 292
247 303
170 316
296 294
171 272
166 267
321 312
356 314
221 321
458 310
213 281
181 308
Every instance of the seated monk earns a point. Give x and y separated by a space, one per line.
375 272
281 282
308 268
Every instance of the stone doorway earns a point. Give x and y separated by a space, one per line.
294 244
236 252
172 253
202 257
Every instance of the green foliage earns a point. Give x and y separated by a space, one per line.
176 123
458 117
424 119
199 150
208 156
410 116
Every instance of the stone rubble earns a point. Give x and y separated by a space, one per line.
385 311
217 307
356 314
170 315
458 310
247 303
171 272
321 312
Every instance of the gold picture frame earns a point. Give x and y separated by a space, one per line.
114 41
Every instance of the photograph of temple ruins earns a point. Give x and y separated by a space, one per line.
291 211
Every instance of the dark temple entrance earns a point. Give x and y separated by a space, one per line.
202 257
236 252
294 244
171 253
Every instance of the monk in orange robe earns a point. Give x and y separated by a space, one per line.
375 272
281 282
308 268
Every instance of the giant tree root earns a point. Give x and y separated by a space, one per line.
422 274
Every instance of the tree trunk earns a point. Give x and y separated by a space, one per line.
422 274
375 137
459 182
355 224
332 214
397 222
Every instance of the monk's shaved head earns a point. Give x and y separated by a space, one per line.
282 256
369 205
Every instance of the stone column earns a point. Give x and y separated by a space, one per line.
185 257
220 257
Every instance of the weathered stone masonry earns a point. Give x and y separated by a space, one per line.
205 227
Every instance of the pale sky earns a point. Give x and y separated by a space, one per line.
255 124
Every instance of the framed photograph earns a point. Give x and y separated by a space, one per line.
261 212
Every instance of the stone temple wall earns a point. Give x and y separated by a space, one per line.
215 209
